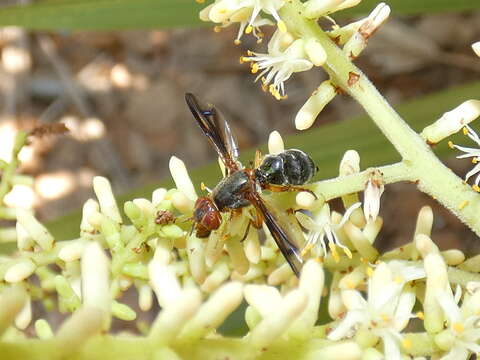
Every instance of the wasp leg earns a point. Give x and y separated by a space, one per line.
257 221
283 188
246 232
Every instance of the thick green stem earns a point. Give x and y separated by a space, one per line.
433 177
342 185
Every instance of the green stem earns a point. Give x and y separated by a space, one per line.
433 177
342 185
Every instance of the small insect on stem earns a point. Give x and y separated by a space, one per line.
164 217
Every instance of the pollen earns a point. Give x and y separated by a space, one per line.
369 271
458 328
462 205
306 249
254 69
281 26
465 131
334 252
237 42
407 344
385 317
476 188
347 252
474 160
450 145
350 285
420 315
248 29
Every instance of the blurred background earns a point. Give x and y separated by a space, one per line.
120 93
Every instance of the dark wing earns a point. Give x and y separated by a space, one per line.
280 230
218 132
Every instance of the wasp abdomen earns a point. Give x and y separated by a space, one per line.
290 167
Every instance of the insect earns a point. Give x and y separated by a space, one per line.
242 187
164 217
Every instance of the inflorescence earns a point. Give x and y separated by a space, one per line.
350 301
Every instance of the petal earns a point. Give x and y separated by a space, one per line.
472 172
391 348
456 353
344 326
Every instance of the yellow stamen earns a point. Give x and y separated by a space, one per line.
407 343
474 160
476 188
306 250
334 252
458 327
385 317
350 284
319 259
465 131
249 53
248 29
254 69
203 186
347 252
281 26
450 145
369 271
217 29
420 315
463 204
237 42
399 279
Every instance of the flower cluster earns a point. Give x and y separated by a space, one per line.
199 283
288 52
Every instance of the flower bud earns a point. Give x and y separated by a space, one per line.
108 204
315 52
275 143
452 121
20 271
182 179
476 48
315 103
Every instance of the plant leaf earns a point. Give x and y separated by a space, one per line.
148 14
326 145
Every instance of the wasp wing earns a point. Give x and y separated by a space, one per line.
281 230
218 132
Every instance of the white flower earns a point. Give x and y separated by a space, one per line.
245 12
280 62
321 227
474 153
463 332
373 192
384 314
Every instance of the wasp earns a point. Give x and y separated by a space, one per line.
242 187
